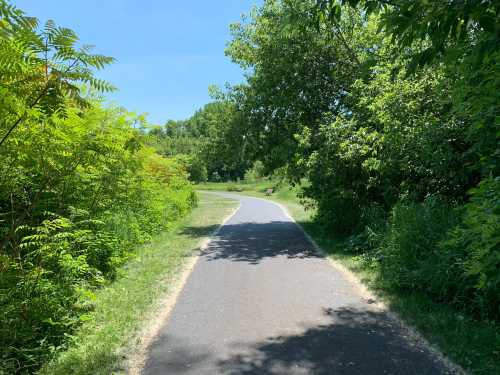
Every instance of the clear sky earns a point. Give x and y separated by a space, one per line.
168 52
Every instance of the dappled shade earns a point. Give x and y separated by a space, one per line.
252 242
355 341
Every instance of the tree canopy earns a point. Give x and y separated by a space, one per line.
389 111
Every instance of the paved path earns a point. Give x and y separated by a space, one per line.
261 301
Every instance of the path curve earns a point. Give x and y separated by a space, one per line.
261 300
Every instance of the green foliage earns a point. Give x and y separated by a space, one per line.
195 167
210 142
410 256
197 170
447 252
78 194
389 110
42 68
109 331
295 75
446 26
234 187
462 36
79 189
256 173
382 151
478 236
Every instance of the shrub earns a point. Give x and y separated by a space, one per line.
449 253
339 212
197 171
255 173
410 256
234 187
73 215
478 237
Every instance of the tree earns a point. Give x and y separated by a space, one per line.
464 36
207 141
41 68
295 75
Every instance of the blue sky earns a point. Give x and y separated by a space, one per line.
168 52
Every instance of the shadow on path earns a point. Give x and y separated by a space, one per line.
356 342
283 317
252 242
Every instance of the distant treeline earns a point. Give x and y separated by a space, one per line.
209 143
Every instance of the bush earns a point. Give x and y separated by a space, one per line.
197 170
410 256
339 212
367 242
255 173
234 187
450 253
92 195
478 237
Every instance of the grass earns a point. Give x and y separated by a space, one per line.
471 343
110 331
246 186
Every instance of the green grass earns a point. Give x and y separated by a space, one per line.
121 309
241 186
471 343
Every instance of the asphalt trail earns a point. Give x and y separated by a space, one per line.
261 301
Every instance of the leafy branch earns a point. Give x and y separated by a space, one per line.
47 62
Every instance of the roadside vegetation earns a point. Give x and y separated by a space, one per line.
209 144
110 333
80 189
